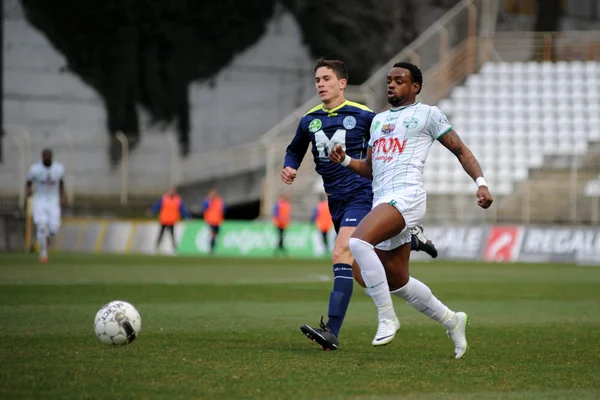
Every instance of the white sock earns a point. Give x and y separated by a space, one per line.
418 295
373 274
42 237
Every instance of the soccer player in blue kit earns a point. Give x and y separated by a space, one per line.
338 121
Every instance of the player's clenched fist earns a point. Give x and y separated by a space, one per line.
288 174
337 154
484 197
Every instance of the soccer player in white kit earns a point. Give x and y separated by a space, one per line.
399 144
46 182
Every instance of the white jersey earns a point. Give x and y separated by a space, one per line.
400 141
47 182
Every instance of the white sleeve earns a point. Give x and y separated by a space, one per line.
32 173
438 123
374 125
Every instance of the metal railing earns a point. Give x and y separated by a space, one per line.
542 46
552 196
446 52
149 170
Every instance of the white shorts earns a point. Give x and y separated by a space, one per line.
47 214
412 209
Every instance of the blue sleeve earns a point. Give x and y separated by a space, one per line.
156 207
367 117
276 210
297 149
183 211
224 208
314 215
205 205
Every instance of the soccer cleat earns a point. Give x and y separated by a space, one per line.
458 335
322 336
44 260
423 244
386 331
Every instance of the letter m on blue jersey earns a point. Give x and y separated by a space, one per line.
325 145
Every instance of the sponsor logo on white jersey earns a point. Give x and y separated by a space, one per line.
386 148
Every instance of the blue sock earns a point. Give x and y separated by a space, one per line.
413 242
343 283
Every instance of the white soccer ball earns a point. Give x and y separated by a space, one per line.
117 322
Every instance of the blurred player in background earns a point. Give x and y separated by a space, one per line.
282 215
337 121
322 219
214 214
398 148
46 183
170 209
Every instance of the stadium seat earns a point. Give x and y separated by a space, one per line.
520 174
512 115
592 188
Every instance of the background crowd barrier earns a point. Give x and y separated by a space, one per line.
494 243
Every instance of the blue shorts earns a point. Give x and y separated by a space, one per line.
350 210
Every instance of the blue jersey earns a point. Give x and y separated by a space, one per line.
348 125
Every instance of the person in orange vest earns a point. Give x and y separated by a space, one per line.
322 219
214 214
282 213
170 209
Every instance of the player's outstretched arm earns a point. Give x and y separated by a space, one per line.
452 142
361 167
29 183
28 188
294 154
28 192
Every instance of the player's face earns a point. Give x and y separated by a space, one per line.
401 88
47 158
329 87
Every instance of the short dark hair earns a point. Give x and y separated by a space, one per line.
415 73
337 66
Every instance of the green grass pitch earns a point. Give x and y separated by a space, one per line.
229 329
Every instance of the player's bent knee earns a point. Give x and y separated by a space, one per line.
357 246
364 236
341 255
